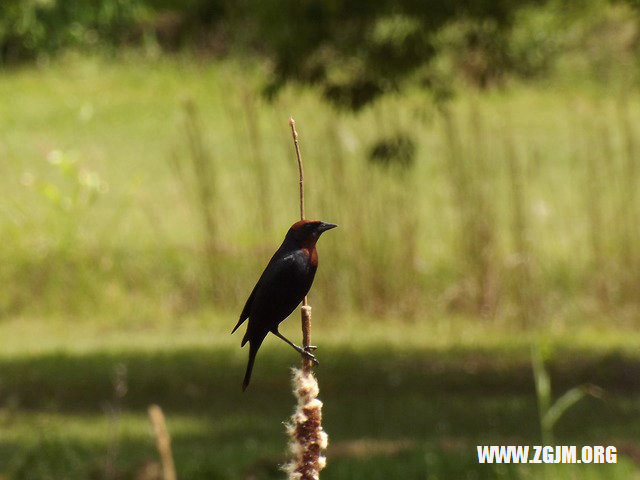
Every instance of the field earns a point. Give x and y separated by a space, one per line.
141 198
399 400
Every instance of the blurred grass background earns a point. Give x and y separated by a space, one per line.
146 184
516 204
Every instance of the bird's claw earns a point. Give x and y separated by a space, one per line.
310 348
310 356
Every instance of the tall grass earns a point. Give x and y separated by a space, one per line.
527 215
472 181
520 261
629 203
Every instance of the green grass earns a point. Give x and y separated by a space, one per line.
401 399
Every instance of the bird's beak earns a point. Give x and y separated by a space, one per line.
324 226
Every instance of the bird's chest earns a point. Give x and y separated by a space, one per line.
311 255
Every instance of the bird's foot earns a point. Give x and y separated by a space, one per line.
310 348
310 356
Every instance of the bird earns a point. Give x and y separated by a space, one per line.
285 282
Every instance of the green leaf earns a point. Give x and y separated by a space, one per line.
561 405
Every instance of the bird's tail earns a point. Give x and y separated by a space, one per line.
254 345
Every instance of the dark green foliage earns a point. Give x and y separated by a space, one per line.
30 27
354 52
399 150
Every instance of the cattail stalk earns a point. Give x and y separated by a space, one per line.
163 442
305 311
308 439
294 133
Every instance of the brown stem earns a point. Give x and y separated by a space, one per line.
308 438
163 442
292 123
306 309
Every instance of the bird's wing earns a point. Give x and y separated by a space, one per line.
283 286
247 307
275 265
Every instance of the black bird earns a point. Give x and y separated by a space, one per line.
281 287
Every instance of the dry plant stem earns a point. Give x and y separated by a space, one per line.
163 442
308 440
292 123
306 309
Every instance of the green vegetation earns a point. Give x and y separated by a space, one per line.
518 204
143 194
403 399
352 53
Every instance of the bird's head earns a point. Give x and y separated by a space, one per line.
307 232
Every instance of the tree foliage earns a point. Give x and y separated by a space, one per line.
356 51
353 51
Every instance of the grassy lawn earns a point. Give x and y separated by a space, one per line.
401 400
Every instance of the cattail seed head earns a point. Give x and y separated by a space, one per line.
308 440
